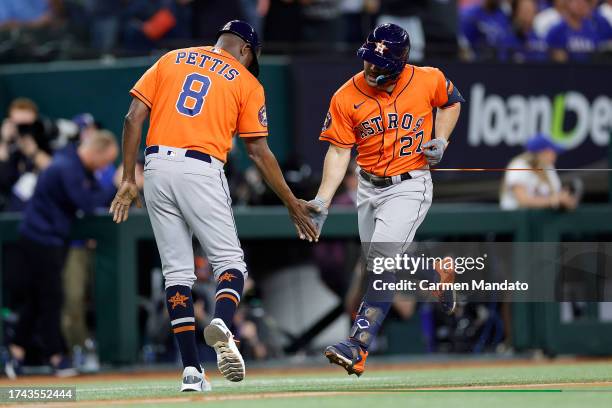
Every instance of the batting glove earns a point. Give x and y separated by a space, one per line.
434 150
318 213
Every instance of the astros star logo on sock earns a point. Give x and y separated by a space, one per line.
226 277
178 300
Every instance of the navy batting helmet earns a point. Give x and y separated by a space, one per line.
387 47
245 31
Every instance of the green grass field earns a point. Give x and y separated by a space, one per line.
499 386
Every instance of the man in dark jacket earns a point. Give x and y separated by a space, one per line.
65 187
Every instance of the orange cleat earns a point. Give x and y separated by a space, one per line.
348 355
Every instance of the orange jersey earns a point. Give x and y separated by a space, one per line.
199 98
388 129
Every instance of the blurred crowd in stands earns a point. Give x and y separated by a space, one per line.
530 30
506 30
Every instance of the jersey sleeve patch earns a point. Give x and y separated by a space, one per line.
328 121
263 117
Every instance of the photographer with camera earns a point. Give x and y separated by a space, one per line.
25 150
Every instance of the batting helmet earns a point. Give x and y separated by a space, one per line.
245 31
387 47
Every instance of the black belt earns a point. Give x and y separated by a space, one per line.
194 154
379 181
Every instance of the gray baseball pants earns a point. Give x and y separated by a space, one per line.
390 216
187 196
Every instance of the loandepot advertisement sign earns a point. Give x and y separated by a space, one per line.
570 117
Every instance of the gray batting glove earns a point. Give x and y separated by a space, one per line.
318 213
434 150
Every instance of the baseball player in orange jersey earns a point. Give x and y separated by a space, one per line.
197 99
386 111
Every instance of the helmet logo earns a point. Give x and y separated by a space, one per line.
380 48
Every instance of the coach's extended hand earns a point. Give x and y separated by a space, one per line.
127 193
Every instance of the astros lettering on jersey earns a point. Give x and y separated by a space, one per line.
388 128
195 95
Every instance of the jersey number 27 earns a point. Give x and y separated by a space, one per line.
407 142
190 100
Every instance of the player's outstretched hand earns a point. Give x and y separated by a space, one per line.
318 213
300 211
127 193
434 150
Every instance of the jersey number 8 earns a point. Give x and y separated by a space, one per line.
190 101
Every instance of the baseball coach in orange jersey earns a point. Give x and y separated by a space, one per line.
197 100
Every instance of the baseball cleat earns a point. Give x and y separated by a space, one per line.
193 380
349 355
447 298
229 359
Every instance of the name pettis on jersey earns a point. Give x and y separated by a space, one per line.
202 60
374 126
